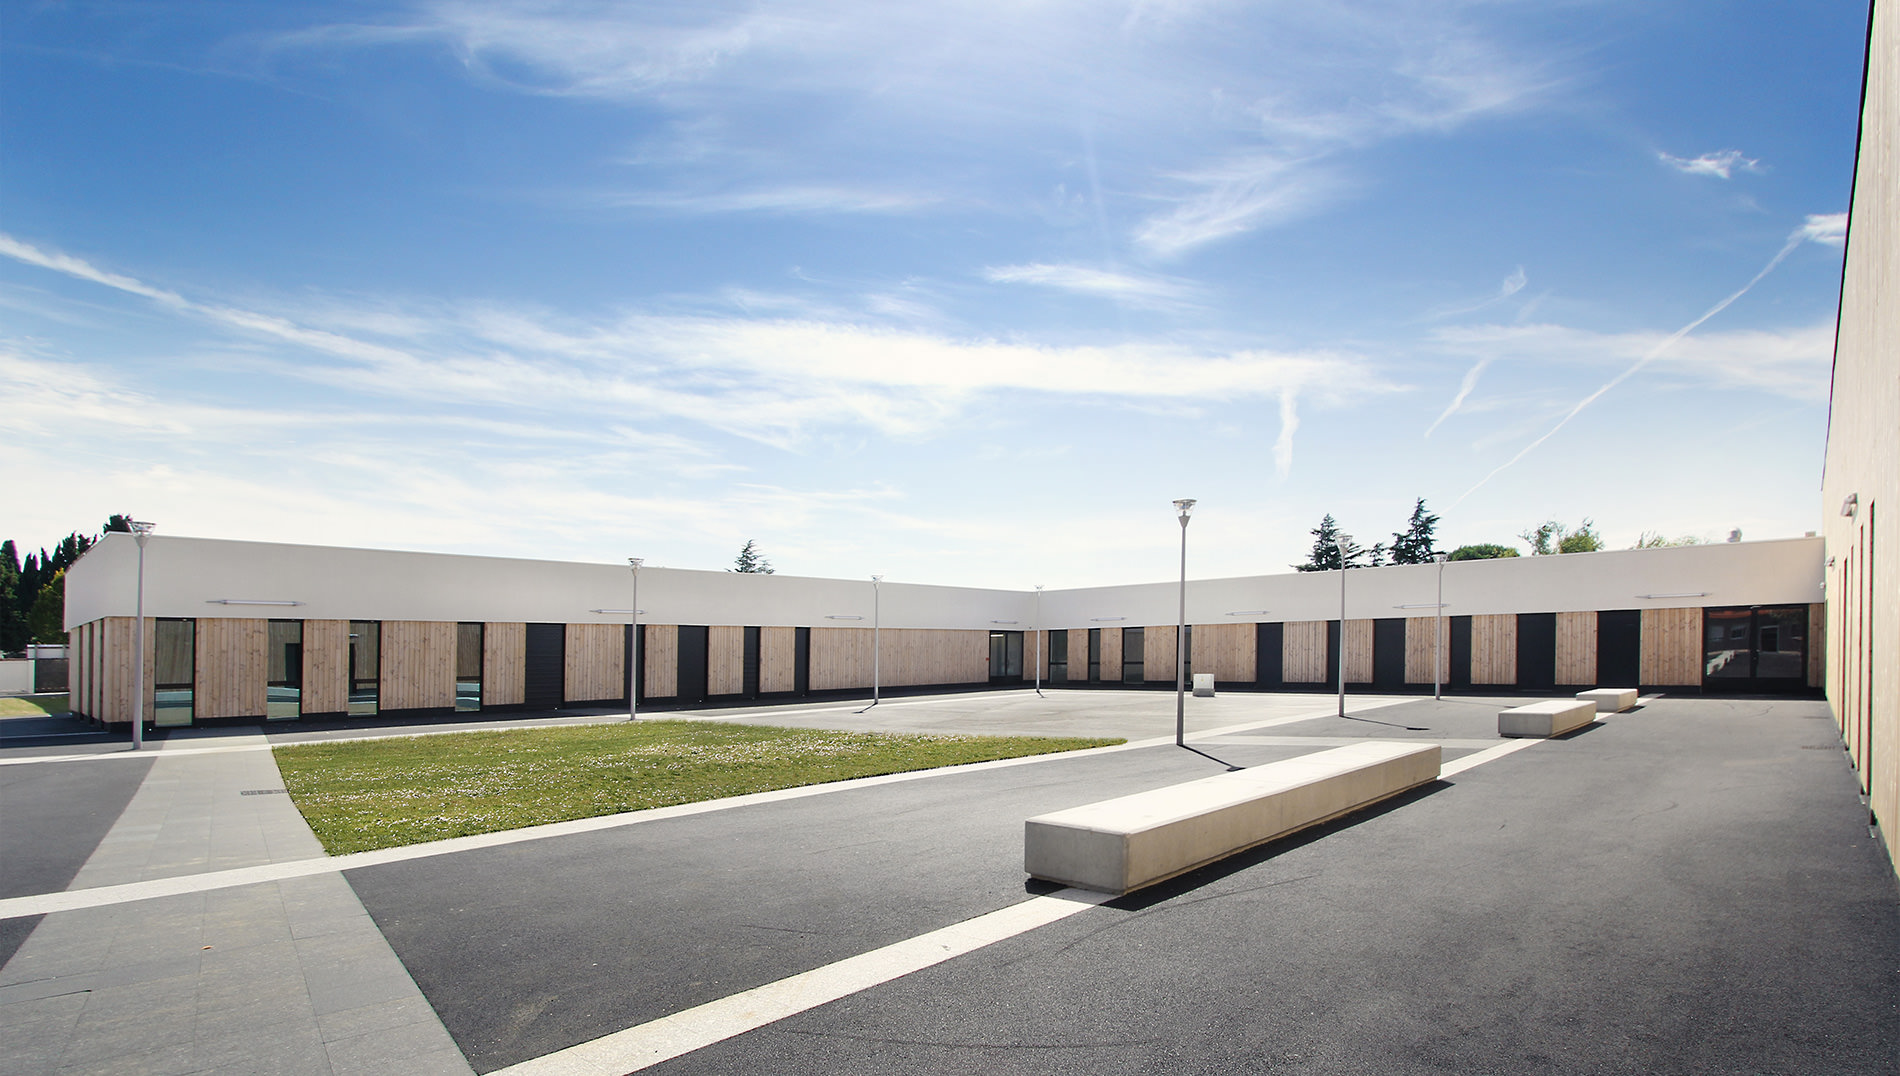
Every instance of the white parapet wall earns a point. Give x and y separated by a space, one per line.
16 676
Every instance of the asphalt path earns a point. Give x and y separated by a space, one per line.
1687 888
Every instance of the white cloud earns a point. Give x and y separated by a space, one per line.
1238 196
1721 164
1790 362
812 199
1829 229
1133 289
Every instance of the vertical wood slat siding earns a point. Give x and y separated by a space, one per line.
1303 652
594 663
1226 650
418 662
840 658
231 663
1078 655
504 664
1157 653
1421 636
117 672
725 660
1111 654
326 666
1817 644
1672 647
662 661
778 659
1358 643
1035 664
1494 648
1577 648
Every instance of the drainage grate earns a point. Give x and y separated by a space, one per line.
264 792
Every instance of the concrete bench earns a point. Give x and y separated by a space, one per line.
1610 700
1552 717
1122 844
1203 685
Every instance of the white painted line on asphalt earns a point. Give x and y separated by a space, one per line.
1460 765
128 753
683 1032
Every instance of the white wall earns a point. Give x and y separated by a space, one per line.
185 576
16 676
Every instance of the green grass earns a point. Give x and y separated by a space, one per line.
388 792
33 705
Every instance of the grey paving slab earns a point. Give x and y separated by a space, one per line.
229 980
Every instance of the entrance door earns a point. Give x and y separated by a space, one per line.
1756 648
1006 657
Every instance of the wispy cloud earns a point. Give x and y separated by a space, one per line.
1235 197
1829 229
1510 286
1721 165
1133 289
813 199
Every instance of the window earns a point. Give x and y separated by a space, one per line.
1058 657
173 671
366 647
1095 655
1131 655
284 693
468 668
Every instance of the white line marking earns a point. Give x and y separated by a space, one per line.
1460 765
683 1032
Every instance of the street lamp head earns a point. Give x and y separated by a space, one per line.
635 562
1186 507
1440 558
140 531
877 579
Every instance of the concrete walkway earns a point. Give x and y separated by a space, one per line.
288 977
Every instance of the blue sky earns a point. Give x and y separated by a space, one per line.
956 292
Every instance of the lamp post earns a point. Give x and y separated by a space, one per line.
141 533
1340 544
1038 631
1185 506
877 647
633 642
1438 632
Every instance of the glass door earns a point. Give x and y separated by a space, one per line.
1755 649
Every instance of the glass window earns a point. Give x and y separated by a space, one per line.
1131 655
173 671
1058 657
366 647
468 668
1781 643
1095 654
284 695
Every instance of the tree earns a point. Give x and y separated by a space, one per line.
47 621
1327 539
1553 537
1655 540
12 621
750 561
1414 544
1482 551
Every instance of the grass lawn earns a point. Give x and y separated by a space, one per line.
382 793
32 705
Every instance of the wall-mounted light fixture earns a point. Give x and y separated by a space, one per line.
1005 621
1851 506
842 616
250 601
1681 594
618 612
1250 612
1106 619
1421 605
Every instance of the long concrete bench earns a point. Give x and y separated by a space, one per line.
1552 717
1610 700
1122 844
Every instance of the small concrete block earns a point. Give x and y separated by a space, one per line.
1541 720
1122 844
1610 700
1203 685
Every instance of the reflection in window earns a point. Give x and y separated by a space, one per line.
366 645
173 671
468 668
284 691
1058 657
1725 655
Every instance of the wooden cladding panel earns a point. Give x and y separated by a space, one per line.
326 666
1817 644
1303 652
1494 648
504 664
1421 639
595 663
778 659
1226 650
1358 651
418 665
841 658
1157 653
725 660
1111 655
916 656
1577 648
232 666
662 661
1035 655
117 674
1078 655
1672 647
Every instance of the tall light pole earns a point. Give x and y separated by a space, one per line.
1185 506
1038 631
633 642
1340 543
877 648
1438 636
141 533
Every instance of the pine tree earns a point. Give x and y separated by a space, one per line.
750 561
12 621
47 621
1414 544
1327 539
